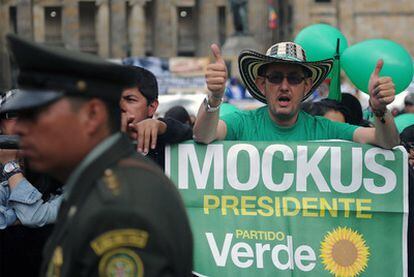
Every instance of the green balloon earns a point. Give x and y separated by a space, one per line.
319 41
403 121
359 61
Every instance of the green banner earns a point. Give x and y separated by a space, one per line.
325 208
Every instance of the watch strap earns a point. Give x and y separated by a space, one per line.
15 169
209 108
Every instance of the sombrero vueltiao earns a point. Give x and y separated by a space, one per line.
283 52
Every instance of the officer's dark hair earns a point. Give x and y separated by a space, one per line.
262 70
113 109
146 82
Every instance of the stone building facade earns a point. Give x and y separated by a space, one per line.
359 20
167 28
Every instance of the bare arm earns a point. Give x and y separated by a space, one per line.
382 93
384 135
208 127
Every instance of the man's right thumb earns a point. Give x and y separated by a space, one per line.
378 67
215 49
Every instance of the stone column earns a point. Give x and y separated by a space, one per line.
39 23
137 29
25 18
208 29
301 15
4 20
229 20
118 29
258 16
165 26
347 20
70 24
102 28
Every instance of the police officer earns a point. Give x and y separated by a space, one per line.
121 215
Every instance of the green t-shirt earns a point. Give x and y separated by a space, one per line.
256 125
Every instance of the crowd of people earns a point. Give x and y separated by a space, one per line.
91 154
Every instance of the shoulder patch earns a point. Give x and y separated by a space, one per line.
111 181
56 262
117 238
121 262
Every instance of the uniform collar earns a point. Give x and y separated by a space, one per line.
89 159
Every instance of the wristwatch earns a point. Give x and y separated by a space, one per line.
380 114
11 168
209 108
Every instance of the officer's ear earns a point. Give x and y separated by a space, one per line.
94 116
152 108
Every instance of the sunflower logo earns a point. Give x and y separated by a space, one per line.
344 252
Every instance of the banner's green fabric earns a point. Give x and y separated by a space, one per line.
294 209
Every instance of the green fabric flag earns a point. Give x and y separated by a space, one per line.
335 75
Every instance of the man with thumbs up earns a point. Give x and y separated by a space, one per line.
282 78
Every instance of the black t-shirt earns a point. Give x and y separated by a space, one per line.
176 132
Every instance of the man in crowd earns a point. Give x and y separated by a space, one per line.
120 214
28 204
282 78
138 105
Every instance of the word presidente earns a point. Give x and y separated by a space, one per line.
248 205
263 167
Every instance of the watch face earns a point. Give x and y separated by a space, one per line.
9 167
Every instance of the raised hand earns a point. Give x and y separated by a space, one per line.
216 74
146 133
381 89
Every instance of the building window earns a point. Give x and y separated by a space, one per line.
186 31
290 19
128 15
149 19
222 24
13 19
53 26
87 37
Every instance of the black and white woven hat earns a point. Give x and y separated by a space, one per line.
7 96
284 52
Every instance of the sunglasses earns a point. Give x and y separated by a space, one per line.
277 78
